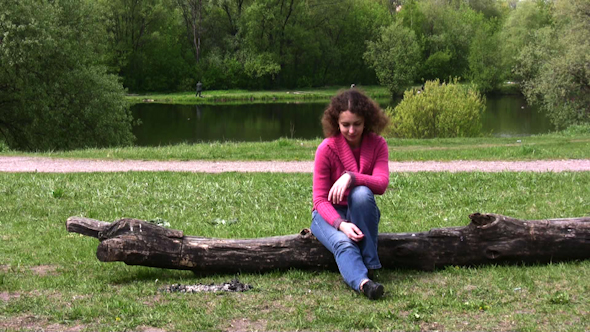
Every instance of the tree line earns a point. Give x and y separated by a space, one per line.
67 63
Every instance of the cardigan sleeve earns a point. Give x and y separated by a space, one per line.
379 179
321 187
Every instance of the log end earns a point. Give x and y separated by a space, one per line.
86 226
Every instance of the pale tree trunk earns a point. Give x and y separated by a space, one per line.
192 12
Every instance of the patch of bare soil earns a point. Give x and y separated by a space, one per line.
43 270
431 326
6 296
64 328
149 329
245 324
33 323
152 302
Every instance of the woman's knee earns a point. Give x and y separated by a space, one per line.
361 195
343 246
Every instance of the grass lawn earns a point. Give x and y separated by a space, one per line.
562 145
51 279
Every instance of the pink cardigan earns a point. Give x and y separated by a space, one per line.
334 157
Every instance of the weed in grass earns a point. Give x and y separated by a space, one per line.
559 297
58 193
527 150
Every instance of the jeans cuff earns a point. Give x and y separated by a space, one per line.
374 267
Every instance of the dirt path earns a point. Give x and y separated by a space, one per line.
50 165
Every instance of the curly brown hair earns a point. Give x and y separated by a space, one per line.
357 103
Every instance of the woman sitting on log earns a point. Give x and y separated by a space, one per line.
351 166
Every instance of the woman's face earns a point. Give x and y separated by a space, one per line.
351 126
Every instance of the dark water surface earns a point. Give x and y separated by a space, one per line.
164 124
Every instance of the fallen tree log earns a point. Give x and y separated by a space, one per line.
488 239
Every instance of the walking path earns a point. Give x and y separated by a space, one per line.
51 165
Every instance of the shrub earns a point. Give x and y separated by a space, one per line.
55 95
583 129
3 146
439 110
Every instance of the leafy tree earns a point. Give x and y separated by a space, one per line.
193 12
444 31
440 110
147 46
341 29
555 65
489 8
395 57
53 92
518 31
485 58
438 65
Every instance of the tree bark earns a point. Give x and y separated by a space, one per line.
488 239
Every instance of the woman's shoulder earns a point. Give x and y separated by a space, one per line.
326 149
327 143
376 139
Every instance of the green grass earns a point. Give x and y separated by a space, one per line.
240 96
549 146
78 290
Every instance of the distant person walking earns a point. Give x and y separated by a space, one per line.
199 89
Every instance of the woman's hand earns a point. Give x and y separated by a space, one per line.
352 231
336 193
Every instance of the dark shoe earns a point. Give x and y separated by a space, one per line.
371 274
373 290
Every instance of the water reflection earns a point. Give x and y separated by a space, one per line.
163 124
508 116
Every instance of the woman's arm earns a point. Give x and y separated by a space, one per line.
379 179
322 183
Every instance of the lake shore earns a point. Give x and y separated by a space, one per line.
245 96
236 96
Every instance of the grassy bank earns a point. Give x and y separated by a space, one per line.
240 96
302 95
550 146
50 277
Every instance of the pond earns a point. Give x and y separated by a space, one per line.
164 124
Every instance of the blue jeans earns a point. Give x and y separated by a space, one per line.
353 258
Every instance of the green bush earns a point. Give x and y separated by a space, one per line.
582 129
55 93
3 146
440 110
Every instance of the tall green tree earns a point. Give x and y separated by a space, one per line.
444 30
518 31
555 65
147 46
395 56
193 12
274 30
485 57
342 29
54 92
